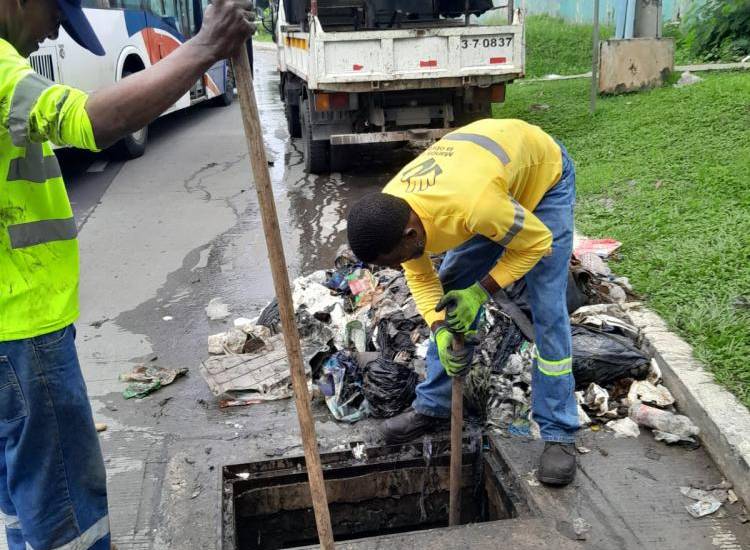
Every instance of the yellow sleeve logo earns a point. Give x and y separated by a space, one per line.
422 176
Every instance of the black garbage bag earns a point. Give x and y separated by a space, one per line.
604 357
388 387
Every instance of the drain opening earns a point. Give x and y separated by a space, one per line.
394 489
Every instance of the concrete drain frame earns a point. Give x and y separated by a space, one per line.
371 492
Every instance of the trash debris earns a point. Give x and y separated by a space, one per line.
100 426
358 451
167 318
687 79
531 479
703 508
231 342
256 377
601 247
539 107
654 373
732 496
582 450
341 385
604 357
216 309
707 501
146 379
646 392
596 399
388 387
581 528
667 426
624 427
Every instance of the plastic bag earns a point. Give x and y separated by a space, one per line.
603 358
388 387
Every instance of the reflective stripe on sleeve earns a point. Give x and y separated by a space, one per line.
34 166
26 94
554 368
91 535
484 142
43 231
518 217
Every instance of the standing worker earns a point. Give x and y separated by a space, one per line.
53 491
498 196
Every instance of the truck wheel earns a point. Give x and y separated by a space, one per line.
292 119
316 152
341 157
133 145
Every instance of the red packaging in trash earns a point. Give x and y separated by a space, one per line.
601 247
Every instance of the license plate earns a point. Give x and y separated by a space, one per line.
485 42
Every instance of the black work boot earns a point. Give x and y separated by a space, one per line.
557 465
409 425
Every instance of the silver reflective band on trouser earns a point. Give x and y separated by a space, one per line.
484 142
34 166
25 96
11 522
554 368
91 535
518 216
43 231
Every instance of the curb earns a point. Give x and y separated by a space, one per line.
724 422
264 46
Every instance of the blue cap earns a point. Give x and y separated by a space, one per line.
78 27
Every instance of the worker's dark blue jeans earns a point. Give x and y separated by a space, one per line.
53 486
553 402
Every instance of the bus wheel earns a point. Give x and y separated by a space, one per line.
134 145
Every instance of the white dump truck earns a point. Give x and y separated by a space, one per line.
374 71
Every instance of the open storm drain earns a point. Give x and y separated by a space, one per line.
394 489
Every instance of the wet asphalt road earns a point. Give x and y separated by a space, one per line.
160 236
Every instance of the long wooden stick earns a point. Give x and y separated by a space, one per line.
457 426
254 136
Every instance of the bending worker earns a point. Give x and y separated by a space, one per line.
53 491
498 195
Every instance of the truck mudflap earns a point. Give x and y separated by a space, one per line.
414 134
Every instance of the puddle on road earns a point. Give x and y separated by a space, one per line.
390 490
312 209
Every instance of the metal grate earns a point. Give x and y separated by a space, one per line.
43 64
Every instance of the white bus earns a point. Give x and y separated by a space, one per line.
135 34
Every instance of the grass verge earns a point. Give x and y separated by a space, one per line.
667 172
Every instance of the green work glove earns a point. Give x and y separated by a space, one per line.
454 362
462 306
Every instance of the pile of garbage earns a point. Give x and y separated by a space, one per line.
365 344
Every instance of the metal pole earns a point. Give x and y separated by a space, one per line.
595 58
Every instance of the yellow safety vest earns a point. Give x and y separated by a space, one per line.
38 246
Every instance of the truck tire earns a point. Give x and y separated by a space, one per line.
292 119
341 157
133 145
315 151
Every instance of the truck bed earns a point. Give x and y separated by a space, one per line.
358 61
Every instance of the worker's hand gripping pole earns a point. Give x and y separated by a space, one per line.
457 424
254 136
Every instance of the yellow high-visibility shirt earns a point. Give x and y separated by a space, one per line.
38 245
483 179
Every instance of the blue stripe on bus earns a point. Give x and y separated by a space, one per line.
136 21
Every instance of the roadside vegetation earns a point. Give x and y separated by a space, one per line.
665 172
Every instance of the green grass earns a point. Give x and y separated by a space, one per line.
667 172
262 35
555 46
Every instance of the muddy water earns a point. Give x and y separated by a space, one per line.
312 209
